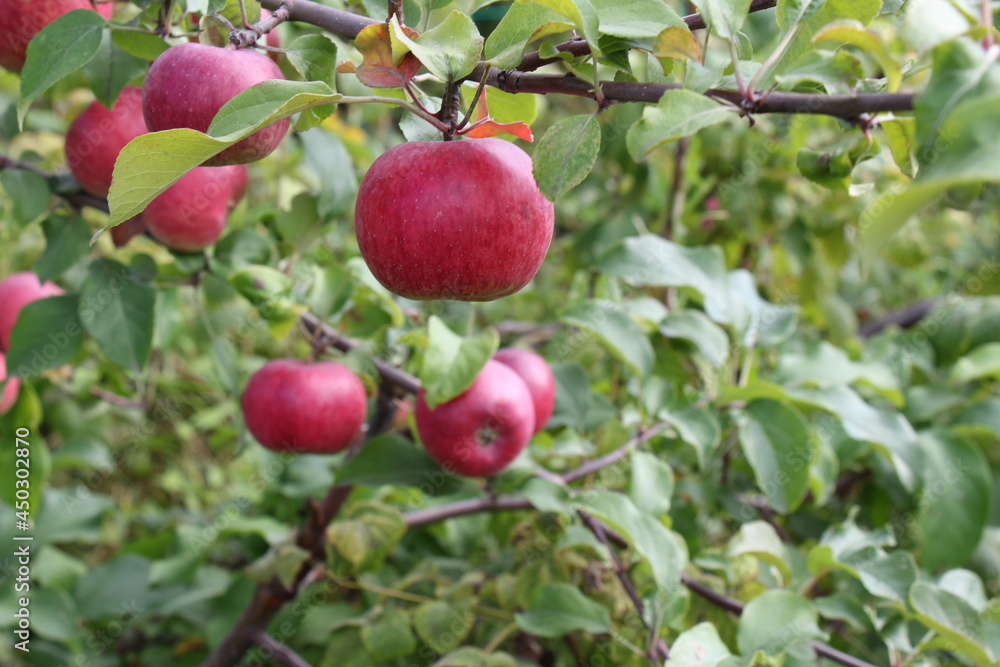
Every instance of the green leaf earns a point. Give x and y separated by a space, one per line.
566 154
665 552
392 459
389 638
699 646
443 625
450 50
261 284
469 656
47 335
284 562
582 14
116 308
617 331
635 18
931 22
885 428
111 69
652 261
106 590
67 241
725 17
524 22
547 496
28 191
850 31
652 483
807 17
679 113
760 539
778 445
452 363
139 44
559 609
698 427
953 618
696 327
365 535
776 620
61 47
955 501
151 163
315 58
982 362
789 13
333 168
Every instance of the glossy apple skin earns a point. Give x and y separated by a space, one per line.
537 375
453 220
10 390
97 136
188 84
16 291
309 408
192 213
23 20
479 432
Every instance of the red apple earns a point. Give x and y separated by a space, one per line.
310 408
9 395
188 84
22 20
453 220
16 291
98 134
192 213
537 375
479 432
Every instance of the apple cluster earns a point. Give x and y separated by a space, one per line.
320 408
23 20
16 291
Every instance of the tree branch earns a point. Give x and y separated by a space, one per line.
522 80
245 37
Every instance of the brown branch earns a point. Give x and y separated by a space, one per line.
904 319
248 36
597 528
396 9
848 107
282 653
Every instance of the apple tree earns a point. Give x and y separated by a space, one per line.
476 333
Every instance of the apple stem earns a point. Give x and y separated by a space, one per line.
450 105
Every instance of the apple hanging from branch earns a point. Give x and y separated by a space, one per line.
22 20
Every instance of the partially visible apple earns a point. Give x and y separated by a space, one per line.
192 213
16 291
10 390
22 20
301 407
479 432
537 375
453 219
188 84
128 230
273 39
97 136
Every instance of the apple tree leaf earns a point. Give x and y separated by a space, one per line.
315 58
450 50
61 47
365 535
443 625
778 445
679 113
452 363
635 18
382 66
566 153
116 307
725 17
67 240
699 646
953 618
111 69
48 334
559 609
28 191
617 330
776 620
523 23
151 163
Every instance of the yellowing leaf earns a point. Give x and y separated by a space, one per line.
677 42
384 66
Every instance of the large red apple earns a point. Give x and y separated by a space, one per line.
453 220
192 213
98 134
188 84
16 291
9 395
22 20
537 375
310 408
479 432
